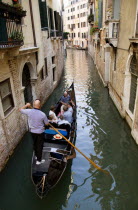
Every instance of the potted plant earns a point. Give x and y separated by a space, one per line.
91 18
16 36
93 29
65 35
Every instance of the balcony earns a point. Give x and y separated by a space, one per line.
10 26
54 34
112 32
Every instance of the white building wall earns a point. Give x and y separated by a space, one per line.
68 22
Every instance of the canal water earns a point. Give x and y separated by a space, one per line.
101 134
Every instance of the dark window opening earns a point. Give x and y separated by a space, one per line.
42 74
53 59
6 96
54 72
46 70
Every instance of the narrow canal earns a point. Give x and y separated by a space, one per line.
101 134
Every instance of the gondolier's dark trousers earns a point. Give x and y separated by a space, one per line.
38 140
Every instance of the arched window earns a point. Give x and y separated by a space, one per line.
133 87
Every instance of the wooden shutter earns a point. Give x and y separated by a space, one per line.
51 18
56 20
3 30
43 14
133 89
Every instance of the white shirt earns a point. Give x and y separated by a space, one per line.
53 113
60 122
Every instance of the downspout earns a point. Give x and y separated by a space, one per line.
33 28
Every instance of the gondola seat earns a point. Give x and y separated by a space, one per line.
53 132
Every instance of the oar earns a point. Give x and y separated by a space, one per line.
105 171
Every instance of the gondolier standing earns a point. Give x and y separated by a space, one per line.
37 121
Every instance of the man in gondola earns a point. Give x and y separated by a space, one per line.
37 121
65 98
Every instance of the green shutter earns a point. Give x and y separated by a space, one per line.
51 19
56 20
133 89
100 13
3 30
43 14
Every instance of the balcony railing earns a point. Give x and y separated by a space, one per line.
10 26
55 33
112 31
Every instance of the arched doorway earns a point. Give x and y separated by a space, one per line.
26 83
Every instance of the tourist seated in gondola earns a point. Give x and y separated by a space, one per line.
65 98
62 121
67 114
64 124
70 109
52 119
52 113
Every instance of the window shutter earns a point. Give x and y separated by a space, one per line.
3 30
134 65
56 20
43 14
51 18
133 89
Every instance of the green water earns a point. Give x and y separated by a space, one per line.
101 134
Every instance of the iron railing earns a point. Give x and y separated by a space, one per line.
10 26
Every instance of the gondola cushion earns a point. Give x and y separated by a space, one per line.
49 131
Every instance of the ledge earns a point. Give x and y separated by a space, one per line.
133 40
111 21
28 50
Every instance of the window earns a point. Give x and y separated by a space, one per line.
133 87
6 96
53 59
78 25
74 34
46 70
68 18
78 34
42 74
43 14
78 15
54 72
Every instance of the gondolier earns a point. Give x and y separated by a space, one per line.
37 121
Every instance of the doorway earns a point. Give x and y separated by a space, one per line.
26 83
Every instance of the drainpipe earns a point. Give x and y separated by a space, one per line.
33 27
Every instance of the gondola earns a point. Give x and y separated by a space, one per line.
46 176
